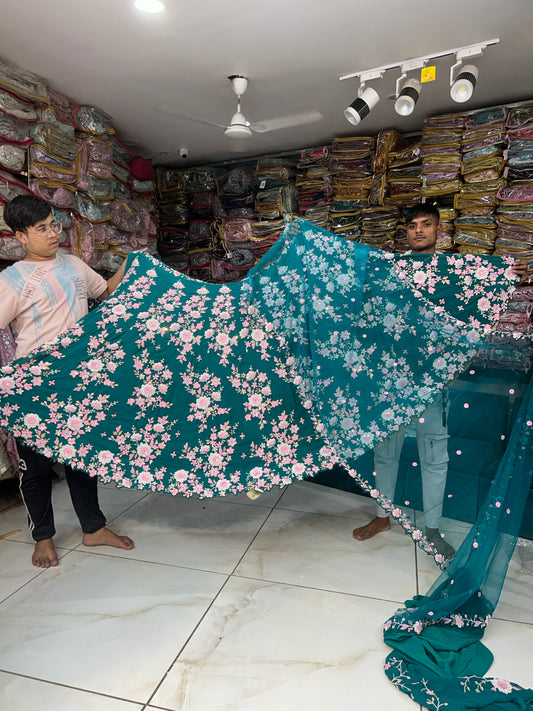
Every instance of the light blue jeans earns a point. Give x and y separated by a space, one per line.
432 441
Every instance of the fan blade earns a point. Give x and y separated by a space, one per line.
167 109
275 124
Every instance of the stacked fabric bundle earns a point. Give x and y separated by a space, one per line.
445 240
276 194
235 253
313 184
236 190
515 212
17 118
515 224
171 202
482 166
264 234
387 143
351 162
68 153
404 176
379 227
441 157
203 207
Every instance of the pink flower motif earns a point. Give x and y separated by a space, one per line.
374 493
96 404
419 277
153 324
75 424
186 336
35 370
283 449
105 456
416 535
95 365
67 451
501 685
147 390
258 334
215 460
222 339
223 484
298 469
119 309
32 420
203 403
483 304
256 472
145 477
255 400
481 273
144 450
181 475
418 627
6 384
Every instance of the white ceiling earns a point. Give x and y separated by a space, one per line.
107 54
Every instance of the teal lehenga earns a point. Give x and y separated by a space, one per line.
326 348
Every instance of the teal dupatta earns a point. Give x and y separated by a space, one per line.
325 349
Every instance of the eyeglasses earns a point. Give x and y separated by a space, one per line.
54 228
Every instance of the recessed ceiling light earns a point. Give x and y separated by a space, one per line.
151 6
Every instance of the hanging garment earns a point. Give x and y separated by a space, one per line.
323 350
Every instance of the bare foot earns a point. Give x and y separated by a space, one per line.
377 525
44 554
105 537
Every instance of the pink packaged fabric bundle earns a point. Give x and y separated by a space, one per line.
64 109
58 195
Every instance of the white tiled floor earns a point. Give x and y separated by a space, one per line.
223 605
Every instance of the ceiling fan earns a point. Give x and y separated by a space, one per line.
240 128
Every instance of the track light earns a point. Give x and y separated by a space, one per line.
362 106
464 84
408 96
462 81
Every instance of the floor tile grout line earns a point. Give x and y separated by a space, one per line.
69 686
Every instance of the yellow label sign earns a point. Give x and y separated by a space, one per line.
428 74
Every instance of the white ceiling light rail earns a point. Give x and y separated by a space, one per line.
462 81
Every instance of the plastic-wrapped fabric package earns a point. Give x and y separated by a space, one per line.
91 119
56 138
44 164
93 210
520 115
23 83
57 194
199 179
10 187
5 231
12 158
64 109
18 108
11 248
13 130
